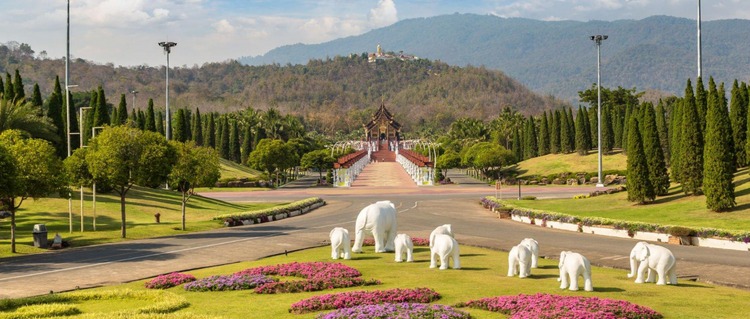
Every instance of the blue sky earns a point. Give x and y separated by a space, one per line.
126 32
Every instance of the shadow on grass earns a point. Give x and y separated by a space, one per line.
357 257
474 268
547 267
542 276
608 289
669 198
472 255
684 285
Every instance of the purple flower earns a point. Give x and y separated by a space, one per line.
169 280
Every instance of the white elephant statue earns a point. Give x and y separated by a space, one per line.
444 247
653 258
533 246
519 261
403 245
340 243
380 220
572 265
444 230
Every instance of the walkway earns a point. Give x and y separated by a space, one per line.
384 175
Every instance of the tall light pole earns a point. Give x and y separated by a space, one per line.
135 93
67 85
598 40
80 136
700 62
168 49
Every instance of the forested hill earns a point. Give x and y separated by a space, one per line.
338 94
556 57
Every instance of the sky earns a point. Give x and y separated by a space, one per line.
126 32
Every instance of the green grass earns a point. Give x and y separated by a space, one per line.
673 209
141 205
231 169
483 275
573 163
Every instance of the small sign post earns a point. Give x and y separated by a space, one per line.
497 188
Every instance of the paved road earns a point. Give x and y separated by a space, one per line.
419 212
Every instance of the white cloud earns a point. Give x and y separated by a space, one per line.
384 14
223 26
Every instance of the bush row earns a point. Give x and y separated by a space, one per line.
265 215
492 202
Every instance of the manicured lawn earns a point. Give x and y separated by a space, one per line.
573 163
483 275
231 169
673 209
141 205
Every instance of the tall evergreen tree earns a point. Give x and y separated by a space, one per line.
555 145
211 131
691 144
188 130
571 134
2 86
517 148
701 100
617 122
101 112
639 186
738 117
675 140
9 94
224 148
608 134
235 154
36 100
247 146
20 95
544 135
657 167
531 147
198 128
74 127
720 164
54 112
89 120
629 111
593 126
134 117
582 142
160 123
663 129
178 126
150 124
122 112
141 120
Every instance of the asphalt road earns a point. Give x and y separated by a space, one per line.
420 211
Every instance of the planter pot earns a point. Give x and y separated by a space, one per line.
280 216
248 222
679 240
503 214
305 209
295 213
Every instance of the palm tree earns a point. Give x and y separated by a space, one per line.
22 115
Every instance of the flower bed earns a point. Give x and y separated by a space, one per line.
318 276
231 282
360 298
417 241
554 306
399 310
265 215
169 280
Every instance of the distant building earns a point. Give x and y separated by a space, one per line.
380 55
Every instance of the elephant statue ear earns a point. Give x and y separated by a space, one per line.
644 253
563 254
331 233
346 231
449 228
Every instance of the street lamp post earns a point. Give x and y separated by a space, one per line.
135 93
168 49
80 136
700 49
598 39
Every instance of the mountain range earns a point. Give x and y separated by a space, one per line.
555 57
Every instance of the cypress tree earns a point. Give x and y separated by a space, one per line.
178 126
691 144
9 94
102 110
555 146
134 117
608 134
675 140
121 117
629 111
738 117
617 126
150 124
571 129
211 131
197 128
589 137
2 87
247 146
544 135
582 144
517 148
141 120
54 112
701 100
36 100
593 128
18 87
530 148
74 127
719 154
115 116
235 153
188 131
662 129
224 148
639 186
90 118
160 123
657 168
